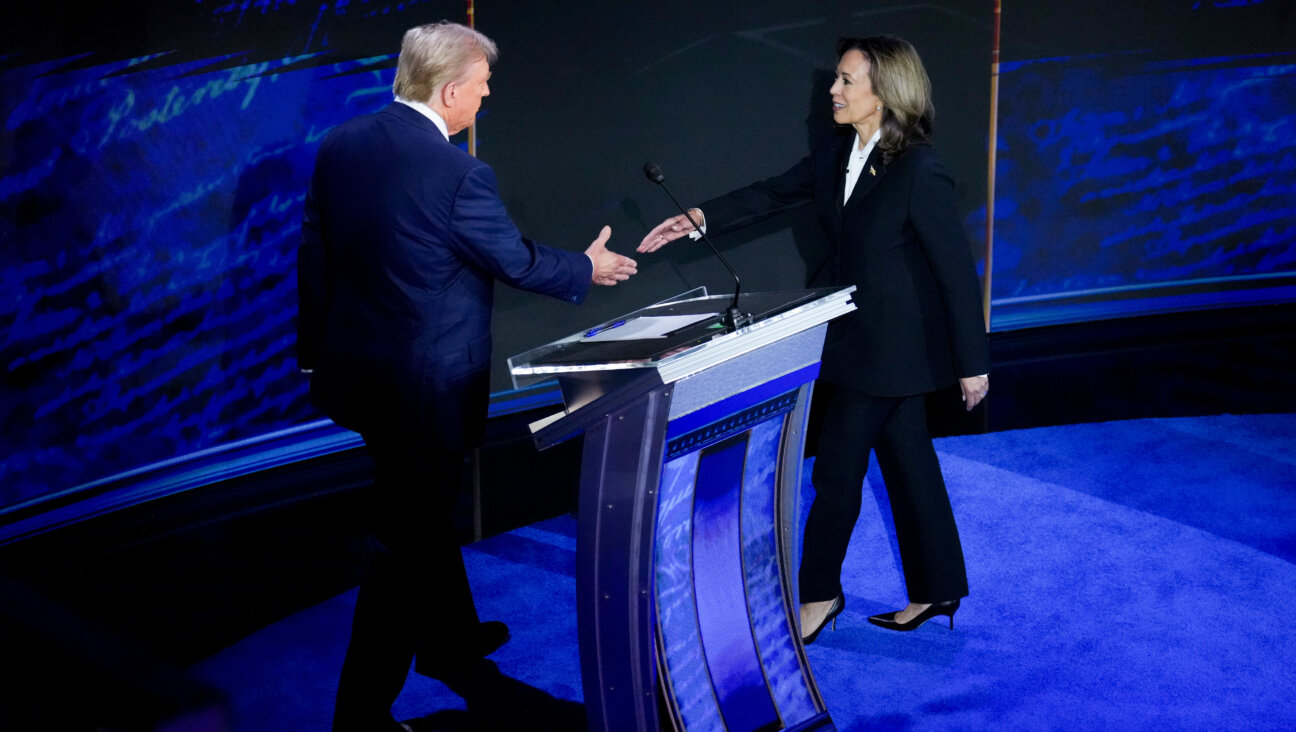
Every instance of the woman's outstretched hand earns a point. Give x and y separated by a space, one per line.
670 230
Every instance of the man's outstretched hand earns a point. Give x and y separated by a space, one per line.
609 267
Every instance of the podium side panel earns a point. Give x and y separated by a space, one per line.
788 498
773 623
619 483
728 639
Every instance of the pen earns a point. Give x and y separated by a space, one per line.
595 331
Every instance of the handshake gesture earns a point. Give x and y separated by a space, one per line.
670 230
609 267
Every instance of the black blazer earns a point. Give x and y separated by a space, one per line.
403 237
899 240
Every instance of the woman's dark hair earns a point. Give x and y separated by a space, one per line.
900 81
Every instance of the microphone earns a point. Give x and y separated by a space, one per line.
734 318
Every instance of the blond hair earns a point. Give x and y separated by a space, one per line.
435 54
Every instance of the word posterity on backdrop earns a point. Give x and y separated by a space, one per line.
152 215
154 156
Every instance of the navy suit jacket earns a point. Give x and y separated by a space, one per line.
918 323
403 237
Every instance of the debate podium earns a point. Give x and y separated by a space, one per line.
687 517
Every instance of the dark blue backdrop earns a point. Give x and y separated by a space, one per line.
152 215
1128 185
155 156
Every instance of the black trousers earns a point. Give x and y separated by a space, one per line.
896 428
415 599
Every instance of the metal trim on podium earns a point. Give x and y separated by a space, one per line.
694 435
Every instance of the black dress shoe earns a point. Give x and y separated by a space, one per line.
489 637
887 620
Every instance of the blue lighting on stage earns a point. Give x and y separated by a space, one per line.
1129 186
154 156
151 220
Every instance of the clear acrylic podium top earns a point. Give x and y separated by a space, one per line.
680 335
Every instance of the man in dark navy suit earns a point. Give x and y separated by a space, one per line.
403 237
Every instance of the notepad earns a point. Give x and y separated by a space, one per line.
648 326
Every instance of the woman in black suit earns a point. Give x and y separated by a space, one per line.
887 207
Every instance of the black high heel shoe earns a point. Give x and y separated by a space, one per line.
838 605
887 620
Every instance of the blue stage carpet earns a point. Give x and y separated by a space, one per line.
1124 575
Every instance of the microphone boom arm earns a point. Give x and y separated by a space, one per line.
734 317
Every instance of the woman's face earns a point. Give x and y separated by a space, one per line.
854 102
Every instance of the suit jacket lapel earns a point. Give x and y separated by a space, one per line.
872 173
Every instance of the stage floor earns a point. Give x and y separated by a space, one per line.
1124 575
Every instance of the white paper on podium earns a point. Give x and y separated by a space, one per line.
648 326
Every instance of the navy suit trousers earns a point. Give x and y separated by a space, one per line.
416 599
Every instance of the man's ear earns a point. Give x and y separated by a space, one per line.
448 91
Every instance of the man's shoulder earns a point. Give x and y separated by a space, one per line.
388 117
359 122
350 133
401 133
